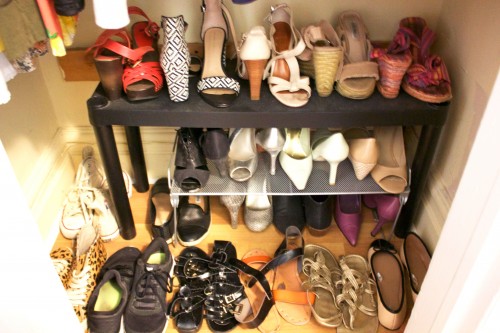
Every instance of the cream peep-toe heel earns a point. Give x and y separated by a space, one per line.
242 156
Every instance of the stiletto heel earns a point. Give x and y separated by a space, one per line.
233 204
331 148
215 145
295 158
242 156
254 54
272 141
258 214
387 207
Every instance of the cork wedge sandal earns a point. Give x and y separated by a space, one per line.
358 75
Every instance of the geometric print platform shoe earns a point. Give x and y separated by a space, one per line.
175 57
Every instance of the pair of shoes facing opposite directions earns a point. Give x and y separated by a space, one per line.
193 215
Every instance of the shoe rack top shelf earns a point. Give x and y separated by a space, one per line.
333 111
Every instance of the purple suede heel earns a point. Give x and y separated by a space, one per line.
387 207
348 216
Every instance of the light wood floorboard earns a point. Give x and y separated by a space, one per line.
245 240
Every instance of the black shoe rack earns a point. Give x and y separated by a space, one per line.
334 111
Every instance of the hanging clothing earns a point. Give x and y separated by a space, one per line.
20 27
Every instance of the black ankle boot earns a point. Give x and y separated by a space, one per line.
191 171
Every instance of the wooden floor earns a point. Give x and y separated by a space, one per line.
245 240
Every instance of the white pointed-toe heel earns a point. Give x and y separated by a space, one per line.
295 158
272 141
331 148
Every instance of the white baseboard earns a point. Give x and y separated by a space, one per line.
45 188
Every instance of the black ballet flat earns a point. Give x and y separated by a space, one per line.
161 212
194 219
191 171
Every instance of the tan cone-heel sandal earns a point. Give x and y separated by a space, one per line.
282 71
254 54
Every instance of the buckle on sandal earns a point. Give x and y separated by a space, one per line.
134 64
237 310
232 297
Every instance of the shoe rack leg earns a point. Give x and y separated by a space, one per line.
427 144
112 168
134 141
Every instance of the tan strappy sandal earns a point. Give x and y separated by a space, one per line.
358 76
282 71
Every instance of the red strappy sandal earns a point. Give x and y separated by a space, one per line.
108 62
143 77
427 79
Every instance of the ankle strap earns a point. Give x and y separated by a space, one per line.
152 28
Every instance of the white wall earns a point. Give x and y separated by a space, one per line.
468 42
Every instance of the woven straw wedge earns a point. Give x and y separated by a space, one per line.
322 56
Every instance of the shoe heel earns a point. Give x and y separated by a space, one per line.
175 65
233 204
380 224
333 172
255 70
111 72
361 170
273 154
221 165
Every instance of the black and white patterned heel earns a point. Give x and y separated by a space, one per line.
214 86
175 58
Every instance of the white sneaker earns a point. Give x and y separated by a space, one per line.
87 205
91 173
